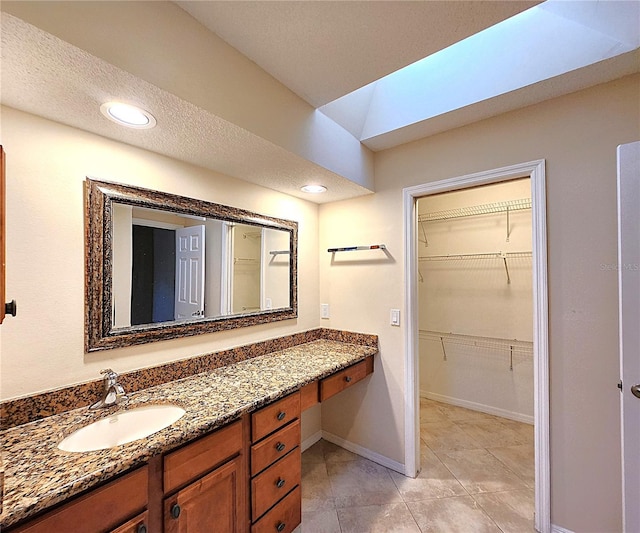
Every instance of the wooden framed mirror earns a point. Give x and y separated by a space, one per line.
161 266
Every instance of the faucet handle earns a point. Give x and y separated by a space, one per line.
110 377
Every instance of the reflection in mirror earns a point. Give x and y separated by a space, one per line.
174 266
170 267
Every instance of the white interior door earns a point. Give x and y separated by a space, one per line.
629 290
189 272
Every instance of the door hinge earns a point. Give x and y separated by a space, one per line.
620 385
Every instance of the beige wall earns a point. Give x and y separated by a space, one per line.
42 348
577 135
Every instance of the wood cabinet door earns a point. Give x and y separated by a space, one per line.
139 524
211 504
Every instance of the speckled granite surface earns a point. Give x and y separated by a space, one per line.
38 475
27 409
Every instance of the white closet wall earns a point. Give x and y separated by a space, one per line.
476 305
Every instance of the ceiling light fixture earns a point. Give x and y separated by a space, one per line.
313 189
128 115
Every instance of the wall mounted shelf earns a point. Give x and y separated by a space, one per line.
246 261
357 248
279 252
476 210
504 256
510 346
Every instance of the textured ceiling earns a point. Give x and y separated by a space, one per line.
322 50
48 77
319 50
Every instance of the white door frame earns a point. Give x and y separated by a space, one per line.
535 170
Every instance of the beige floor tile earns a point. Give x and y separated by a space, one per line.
524 431
443 436
316 487
434 481
457 414
488 433
452 515
520 459
319 522
479 471
430 412
314 454
361 482
377 519
336 454
512 511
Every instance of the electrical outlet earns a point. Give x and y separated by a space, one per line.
268 304
324 310
395 317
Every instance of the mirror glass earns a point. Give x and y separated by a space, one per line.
161 266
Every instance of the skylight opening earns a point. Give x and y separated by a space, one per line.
548 40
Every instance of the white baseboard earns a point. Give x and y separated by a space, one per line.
496 411
310 441
364 452
558 529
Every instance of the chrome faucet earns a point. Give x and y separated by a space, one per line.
113 391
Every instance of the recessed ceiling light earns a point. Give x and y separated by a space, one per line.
128 115
314 189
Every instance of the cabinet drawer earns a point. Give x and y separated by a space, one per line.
344 379
309 396
274 416
197 458
102 509
274 483
274 447
139 524
284 517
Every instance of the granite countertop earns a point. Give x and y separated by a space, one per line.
39 475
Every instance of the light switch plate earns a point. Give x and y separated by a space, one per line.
395 317
324 310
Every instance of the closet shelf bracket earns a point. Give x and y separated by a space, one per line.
506 267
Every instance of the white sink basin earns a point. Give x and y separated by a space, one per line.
123 427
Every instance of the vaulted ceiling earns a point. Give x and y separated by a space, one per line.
235 85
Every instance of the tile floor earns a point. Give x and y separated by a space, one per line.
477 476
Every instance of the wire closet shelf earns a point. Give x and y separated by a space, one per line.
509 346
475 210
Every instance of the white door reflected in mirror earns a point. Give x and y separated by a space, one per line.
175 267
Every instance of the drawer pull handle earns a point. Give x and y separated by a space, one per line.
142 528
280 527
347 379
175 511
280 483
281 415
280 446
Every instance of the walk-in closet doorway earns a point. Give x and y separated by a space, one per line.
477 310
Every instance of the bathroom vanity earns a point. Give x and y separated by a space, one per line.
233 459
